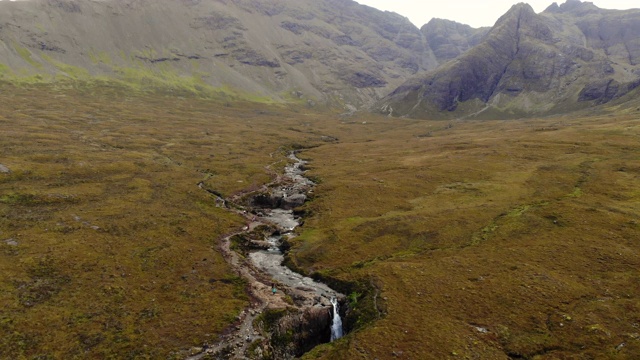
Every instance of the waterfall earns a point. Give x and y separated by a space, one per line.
336 326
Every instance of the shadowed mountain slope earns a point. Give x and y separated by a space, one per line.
449 39
569 57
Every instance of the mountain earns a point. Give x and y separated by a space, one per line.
570 56
328 51
449 39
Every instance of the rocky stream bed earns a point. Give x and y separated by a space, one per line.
301 313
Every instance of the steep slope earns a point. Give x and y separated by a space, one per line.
569 57
449 39
333 51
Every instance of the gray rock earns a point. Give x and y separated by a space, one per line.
293 201
303 326
259 245
11 242
4 169
481 330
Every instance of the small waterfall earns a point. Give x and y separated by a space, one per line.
336 326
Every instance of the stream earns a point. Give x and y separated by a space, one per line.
270 261
263 268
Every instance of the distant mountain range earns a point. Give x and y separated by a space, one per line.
568 57
333 52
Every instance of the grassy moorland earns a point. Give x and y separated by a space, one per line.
107 245
473 239
486 239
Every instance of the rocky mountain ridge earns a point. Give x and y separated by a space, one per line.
329 51
569 57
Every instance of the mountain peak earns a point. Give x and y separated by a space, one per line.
523 5
553 8
572 6
519 10
520 7
445 22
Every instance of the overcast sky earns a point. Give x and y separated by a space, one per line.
476 13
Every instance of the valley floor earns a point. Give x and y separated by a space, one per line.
466 239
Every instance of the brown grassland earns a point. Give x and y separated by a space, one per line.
115 254
488 239
470 239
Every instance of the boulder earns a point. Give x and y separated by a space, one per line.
293 201
305 329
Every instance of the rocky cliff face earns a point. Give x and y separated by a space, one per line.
334 51
571 56
449 39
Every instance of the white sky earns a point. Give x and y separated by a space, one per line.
476 13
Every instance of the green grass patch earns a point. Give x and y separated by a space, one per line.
577 192
25 54
73 72
4 70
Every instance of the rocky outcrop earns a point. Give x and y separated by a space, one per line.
569 57
278 199
297 332
614 33
603 91
69 6
293 201
364 79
